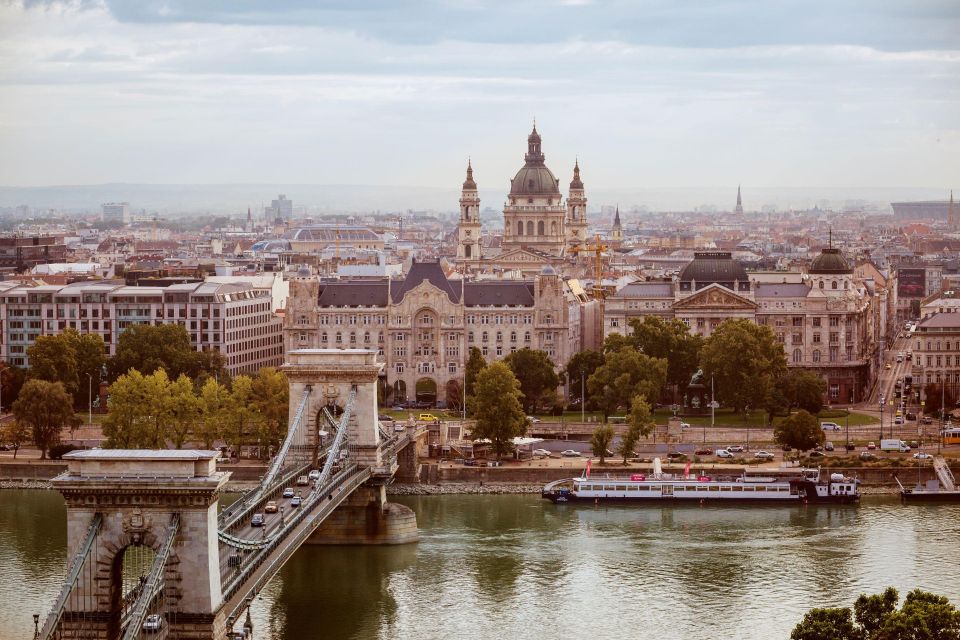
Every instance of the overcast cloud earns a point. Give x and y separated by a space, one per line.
653 93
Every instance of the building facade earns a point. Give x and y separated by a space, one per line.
936 352
115 212
424 324
234 319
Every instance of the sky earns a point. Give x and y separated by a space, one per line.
645 93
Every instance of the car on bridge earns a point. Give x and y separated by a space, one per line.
314 475
153 623
288 492
258 520
271 507
295 502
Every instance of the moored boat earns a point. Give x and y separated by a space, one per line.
807 487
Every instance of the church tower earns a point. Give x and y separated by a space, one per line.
738 210
953 216
468 230
576 223
616 233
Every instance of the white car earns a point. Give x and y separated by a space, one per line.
763 455
830 426
315 474
533 419
570 453
541 452
684 425
723 453
153 623
920 455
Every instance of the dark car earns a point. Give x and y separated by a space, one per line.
816 454
703 452
383 418
257 520
910 415
786 448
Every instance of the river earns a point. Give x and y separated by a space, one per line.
515 566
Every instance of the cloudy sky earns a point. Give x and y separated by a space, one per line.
647 93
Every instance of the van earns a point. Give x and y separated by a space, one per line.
894 445
828 446
830 426
723 453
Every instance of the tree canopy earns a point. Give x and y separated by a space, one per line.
933 393
745 361
581 366
497 407
671 340
45 409
475 364
147 348
804 390
535 372
624 374
76 360
641 425
600 441
800 431
923 616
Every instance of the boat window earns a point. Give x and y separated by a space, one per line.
748 488
714 488
725 488
621 487
738 488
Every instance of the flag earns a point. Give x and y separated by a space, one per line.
686 469
588 468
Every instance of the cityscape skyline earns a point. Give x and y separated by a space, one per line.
710 96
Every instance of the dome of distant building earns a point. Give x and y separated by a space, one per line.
533 178
548 271
714 267
303 272
830 261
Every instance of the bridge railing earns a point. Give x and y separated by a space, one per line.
154 583
52 624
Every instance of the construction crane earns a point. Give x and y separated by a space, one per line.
597 248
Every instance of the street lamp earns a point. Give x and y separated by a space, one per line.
882 400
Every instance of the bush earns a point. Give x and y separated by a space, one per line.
57 451
833 413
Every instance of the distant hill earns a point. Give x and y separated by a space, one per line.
174 199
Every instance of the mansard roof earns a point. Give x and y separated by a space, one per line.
431 272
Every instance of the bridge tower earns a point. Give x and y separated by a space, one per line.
331 375
158 505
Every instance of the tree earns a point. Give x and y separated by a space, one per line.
11 381
213 400
454 395
45 408
745 361
497 407
53 359
147 348
580 367
16 434
624 374
90 355
804 390
271 393
600 441
183 408
923 616
800 431
933 393
239 414
672 341
536 374
142 411
475 364
641 425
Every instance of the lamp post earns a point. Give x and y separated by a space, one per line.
583 400
89 398
882 400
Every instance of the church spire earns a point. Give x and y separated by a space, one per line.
534 155
953 219
738 210
576 183
469 183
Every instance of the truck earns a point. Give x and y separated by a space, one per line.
894 445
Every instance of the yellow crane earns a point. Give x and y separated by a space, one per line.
597 248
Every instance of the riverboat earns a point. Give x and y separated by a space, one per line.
807 487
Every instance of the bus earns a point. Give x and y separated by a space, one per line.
951 435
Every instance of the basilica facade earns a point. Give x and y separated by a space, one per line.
540 228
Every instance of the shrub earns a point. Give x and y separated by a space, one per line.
57 451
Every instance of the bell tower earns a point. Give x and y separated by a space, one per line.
576 222
468 229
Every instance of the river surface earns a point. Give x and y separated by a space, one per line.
518 567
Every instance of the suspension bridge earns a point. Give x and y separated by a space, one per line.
152 555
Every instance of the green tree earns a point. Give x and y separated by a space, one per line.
600 441
183 408
624 374
45 408
933 394
142 411
271 393
745 361
11 381
580 367
804 390
16 434
536 374
475 364
615 342
671 340
90 355
53 359
240 417
214 398
498 408
147 348
641 426
871 612
800 431
821 624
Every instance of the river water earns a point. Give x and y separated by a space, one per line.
515 566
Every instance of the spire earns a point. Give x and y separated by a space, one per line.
831 238
738 210
469 184
534 155
616 217
576 183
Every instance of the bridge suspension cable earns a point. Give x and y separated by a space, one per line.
154 583
52 624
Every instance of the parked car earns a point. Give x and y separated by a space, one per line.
920 455
828 446
871 446
257 520
817 454
153 623
470 462
398 407
684 425
723 453
850 447
533 419
288 492
570 453
271 507
703 452
295 502
428 417
866 455
763 455
786 448
384 418
911 415
735 448
926 420
541 452
830 426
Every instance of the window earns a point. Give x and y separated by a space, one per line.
339 338
834 391
797 356
398 367
451 367
833 284
499 350
540 228
816 322
485 337
816 355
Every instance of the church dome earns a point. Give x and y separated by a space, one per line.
533 178
714 267
830 261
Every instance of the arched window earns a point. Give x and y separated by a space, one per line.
540 228
797 356
519 227
821 284
466 251
834 284
529 227
816 355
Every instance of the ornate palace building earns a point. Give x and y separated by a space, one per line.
827 320
539 228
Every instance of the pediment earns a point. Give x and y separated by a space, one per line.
715 297
521 255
